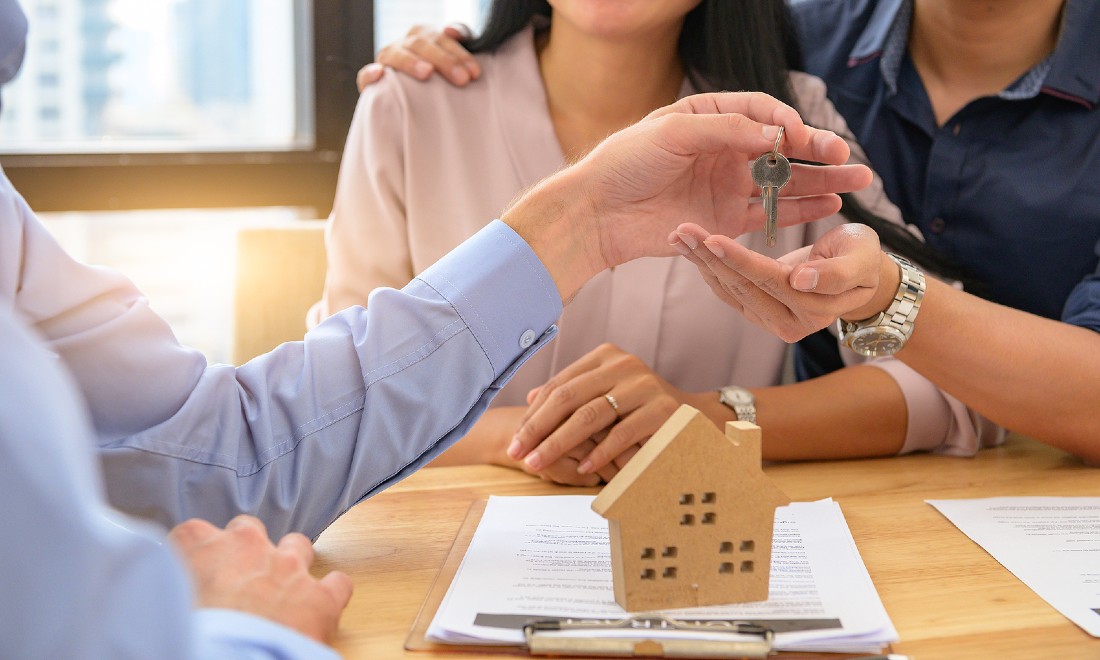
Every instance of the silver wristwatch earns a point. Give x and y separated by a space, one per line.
886 332
741 401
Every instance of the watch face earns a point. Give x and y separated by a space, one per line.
738 396
877 341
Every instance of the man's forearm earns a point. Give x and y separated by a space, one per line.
1033 375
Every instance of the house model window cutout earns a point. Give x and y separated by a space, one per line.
691 517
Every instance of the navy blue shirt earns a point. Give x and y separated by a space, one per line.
1009 187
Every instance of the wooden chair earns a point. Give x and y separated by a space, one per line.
280 274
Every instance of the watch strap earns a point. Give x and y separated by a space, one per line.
740 401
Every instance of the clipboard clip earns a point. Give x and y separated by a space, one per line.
648 635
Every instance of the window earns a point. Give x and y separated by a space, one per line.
393 18
145 132
183 103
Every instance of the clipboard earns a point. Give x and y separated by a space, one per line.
546 639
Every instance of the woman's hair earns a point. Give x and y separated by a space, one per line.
733 45
727 45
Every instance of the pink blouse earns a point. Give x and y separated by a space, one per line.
426 165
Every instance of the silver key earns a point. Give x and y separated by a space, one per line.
771 172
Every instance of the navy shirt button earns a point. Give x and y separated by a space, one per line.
526 339
956 129
937 225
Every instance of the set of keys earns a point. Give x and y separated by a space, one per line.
771 172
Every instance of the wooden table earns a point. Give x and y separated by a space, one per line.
946 596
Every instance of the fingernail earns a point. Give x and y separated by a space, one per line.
460 75
422 69
533 460
806 279
585 467
514 449
688 240
715 249
680 247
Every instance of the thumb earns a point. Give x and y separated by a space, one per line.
845 258
339 586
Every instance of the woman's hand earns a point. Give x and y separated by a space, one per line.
801 292
422 51
609 395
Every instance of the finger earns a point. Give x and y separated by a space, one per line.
555 400
834 276
564 470
822 179
369 75
339 586
756 302
590 361
450 42
764 287
586 419
755 105
799 141
191 533
707 273
632 429
246 522
607 472
622 459
441 59
298 546
458 31
690 135
405 61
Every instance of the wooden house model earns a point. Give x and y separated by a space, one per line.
691 517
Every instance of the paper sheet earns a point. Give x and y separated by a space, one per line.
537 557
1051 543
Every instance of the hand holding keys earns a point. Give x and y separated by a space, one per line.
771 172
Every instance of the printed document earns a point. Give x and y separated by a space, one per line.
549 557
1051 543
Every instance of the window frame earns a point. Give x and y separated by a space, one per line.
341 40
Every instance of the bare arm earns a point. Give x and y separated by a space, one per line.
1033 375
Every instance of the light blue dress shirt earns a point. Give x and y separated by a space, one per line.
295 437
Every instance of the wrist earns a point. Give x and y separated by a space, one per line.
888 280
556 218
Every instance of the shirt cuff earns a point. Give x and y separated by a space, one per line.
501 290
224 633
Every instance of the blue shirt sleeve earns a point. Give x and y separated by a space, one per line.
301 434
1083 305
79 581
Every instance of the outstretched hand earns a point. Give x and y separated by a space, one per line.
801 292
687 162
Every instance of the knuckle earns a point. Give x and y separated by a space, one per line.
587 415
563 394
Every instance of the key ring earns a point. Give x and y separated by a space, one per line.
778 139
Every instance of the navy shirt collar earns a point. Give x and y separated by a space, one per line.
1068 73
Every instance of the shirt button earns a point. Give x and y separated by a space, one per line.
956 129
526 339
937 225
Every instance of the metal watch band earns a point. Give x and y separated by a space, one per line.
901 313
740 401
